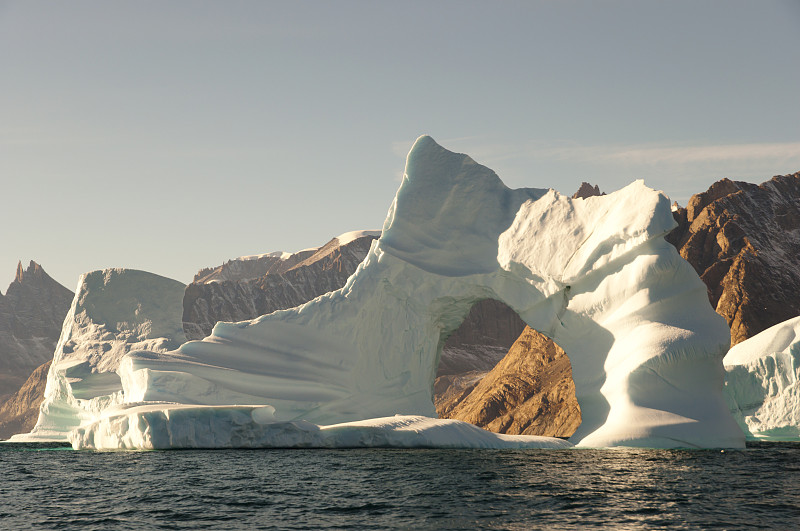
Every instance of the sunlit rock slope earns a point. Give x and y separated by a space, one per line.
529 392
744 241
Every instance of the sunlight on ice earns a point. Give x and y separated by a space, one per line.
595 275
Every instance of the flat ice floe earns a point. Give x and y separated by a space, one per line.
162 427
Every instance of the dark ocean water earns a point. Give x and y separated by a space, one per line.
58 488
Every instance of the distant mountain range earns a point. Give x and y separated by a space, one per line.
247 287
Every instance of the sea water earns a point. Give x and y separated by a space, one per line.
58 488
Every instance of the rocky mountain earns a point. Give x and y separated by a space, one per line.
247 287
530 392
587 190
19 412
744 242
31 314
481 341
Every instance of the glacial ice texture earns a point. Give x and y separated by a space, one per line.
114 312
762 383
593 274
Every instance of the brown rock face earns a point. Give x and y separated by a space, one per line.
31 315
19 413
744 242
481 341
530 392
587 190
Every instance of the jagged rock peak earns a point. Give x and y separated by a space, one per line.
33 270
587 190
718 190
31 314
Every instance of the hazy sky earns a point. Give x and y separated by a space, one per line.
170 136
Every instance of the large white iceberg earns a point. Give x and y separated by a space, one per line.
594 274
763 382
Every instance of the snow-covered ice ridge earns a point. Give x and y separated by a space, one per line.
594 274
762 383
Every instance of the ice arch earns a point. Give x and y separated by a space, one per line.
593 274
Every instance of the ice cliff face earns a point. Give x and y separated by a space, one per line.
31 313
593 274
114 312
744 241
763 382
247 287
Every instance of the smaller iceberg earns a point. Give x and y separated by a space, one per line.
762 383
114 312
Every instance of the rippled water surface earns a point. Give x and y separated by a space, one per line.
385 488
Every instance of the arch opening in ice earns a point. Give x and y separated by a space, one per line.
498 374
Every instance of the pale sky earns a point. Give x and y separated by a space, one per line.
171 136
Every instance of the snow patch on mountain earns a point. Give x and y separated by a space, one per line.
351 236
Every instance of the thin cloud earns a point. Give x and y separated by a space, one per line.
693 154
677 155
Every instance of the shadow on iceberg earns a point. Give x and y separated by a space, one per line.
594 274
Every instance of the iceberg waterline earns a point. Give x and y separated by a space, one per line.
594 274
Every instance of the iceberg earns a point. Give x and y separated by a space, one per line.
113 312
762 383
356 366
